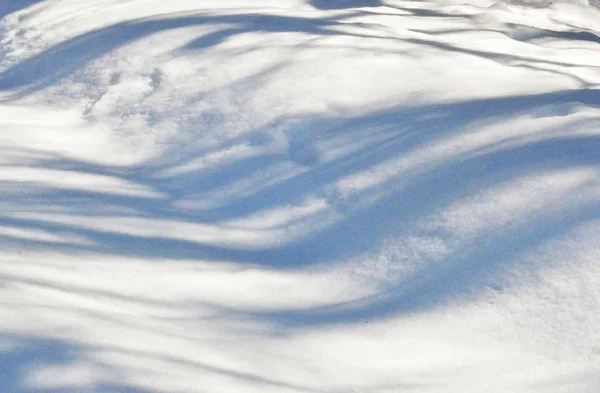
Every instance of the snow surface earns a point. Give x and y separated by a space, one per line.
368 196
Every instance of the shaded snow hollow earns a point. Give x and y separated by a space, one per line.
299 196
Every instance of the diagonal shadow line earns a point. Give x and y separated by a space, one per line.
468 270
344 4
235 374
29 353
362 228
532 33
408 129
315 247
65 58
69 56
471 266
8 7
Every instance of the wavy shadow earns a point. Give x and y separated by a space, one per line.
32 364
362 227
11 6
67 57
344 4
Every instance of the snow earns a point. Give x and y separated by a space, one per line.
299 196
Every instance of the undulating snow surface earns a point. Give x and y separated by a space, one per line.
299 196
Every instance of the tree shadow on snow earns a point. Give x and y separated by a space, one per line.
362 222
399 202
343 4
394 209
10 6
48 365
67 57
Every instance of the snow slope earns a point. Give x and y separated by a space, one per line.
299 196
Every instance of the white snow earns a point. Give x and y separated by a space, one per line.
299 196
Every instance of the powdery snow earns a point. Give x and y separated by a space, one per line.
299 196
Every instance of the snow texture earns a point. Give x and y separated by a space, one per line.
278 196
